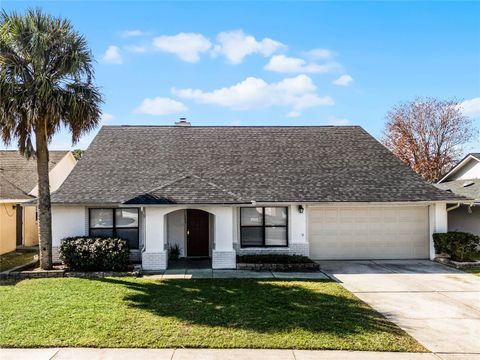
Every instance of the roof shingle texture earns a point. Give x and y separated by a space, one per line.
18 176
467 188
225 165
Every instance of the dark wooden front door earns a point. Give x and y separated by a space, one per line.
197 233
19 220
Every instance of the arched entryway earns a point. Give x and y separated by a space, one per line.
191 231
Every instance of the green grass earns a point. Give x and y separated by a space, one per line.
203 313
474 271
12 259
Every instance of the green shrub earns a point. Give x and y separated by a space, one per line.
174 252
460 246
273 259
95 253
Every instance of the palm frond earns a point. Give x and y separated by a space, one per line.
46 79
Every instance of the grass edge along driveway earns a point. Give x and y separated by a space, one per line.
203 313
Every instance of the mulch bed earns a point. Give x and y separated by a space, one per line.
458 264
62 271
306 267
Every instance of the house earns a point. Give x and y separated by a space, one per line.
464 179
328 192
18 185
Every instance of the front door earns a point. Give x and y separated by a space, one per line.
197 233
19 228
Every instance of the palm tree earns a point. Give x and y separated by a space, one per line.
46 82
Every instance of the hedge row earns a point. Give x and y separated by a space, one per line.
460 246
95 253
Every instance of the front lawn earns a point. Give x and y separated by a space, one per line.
474 271
12 259
208 313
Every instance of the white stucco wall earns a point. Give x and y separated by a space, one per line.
176 230
438 223
58 173
67 221
298 224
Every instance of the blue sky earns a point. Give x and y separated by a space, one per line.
266 63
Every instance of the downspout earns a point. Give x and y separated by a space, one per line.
144 245
453 207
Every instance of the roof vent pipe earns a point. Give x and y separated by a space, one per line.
182 122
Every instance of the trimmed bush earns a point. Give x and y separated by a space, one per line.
460 246
95 253
273 259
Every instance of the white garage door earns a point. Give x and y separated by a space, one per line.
350 233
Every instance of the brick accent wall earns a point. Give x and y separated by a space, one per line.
224 260
56 255
292 249
135 256
155 261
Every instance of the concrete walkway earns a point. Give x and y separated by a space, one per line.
437 305
217 354
233 274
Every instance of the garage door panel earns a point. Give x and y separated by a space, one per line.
368 232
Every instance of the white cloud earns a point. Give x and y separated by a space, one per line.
131 33
320 54
236 45
187 46
298 92
160 106
332 120
112 55
107 117
294 114
135 48
471 107
343 80
285 64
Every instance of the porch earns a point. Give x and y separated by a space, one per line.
202 237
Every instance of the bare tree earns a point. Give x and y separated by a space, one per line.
427 134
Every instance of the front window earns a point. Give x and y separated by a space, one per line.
264 227
122 223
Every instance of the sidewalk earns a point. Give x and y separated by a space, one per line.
217 354
232 274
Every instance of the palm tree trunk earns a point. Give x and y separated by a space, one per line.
44 211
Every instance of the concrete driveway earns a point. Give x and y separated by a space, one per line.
437 305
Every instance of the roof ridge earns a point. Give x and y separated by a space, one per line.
199 178
229 126
237 197
167 184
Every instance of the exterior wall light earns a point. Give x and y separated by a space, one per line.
301 209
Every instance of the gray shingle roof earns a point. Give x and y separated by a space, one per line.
467 188
184 165
18 176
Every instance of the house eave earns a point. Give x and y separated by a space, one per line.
266 203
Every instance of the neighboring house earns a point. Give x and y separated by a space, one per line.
18 185
464 179
326 192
